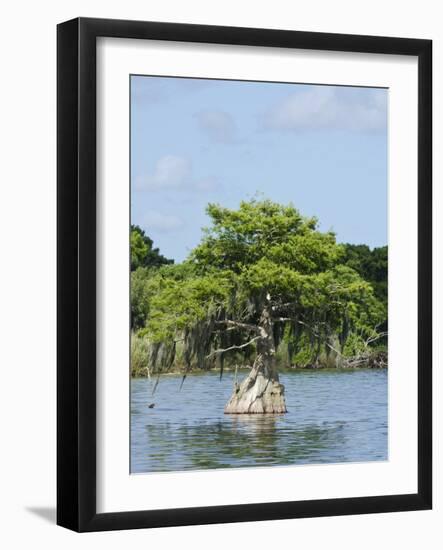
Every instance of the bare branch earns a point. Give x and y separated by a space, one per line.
375 338
233 347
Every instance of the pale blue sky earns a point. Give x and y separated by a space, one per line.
323 148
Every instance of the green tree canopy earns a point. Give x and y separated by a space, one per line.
372 265
142 252
261 274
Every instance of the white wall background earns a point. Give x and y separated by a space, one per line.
27 289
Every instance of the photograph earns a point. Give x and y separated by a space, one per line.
229 244
258 274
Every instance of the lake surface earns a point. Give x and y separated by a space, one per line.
333 416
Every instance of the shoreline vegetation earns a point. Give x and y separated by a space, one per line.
140 359
377 363
264 291
140 365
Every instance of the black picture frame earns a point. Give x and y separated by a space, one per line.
76 279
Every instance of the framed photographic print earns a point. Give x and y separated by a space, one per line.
244 274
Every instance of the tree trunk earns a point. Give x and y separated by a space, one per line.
261 391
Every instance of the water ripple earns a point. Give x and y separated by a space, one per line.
334 416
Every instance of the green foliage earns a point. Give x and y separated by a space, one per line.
141 293
145 260
146 283
142 252
259 229
139 355
178 304
372 265
262 255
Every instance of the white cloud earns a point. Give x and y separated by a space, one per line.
173 172
321 107
161 222
217 125
170 172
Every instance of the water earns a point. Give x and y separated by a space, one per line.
333 416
